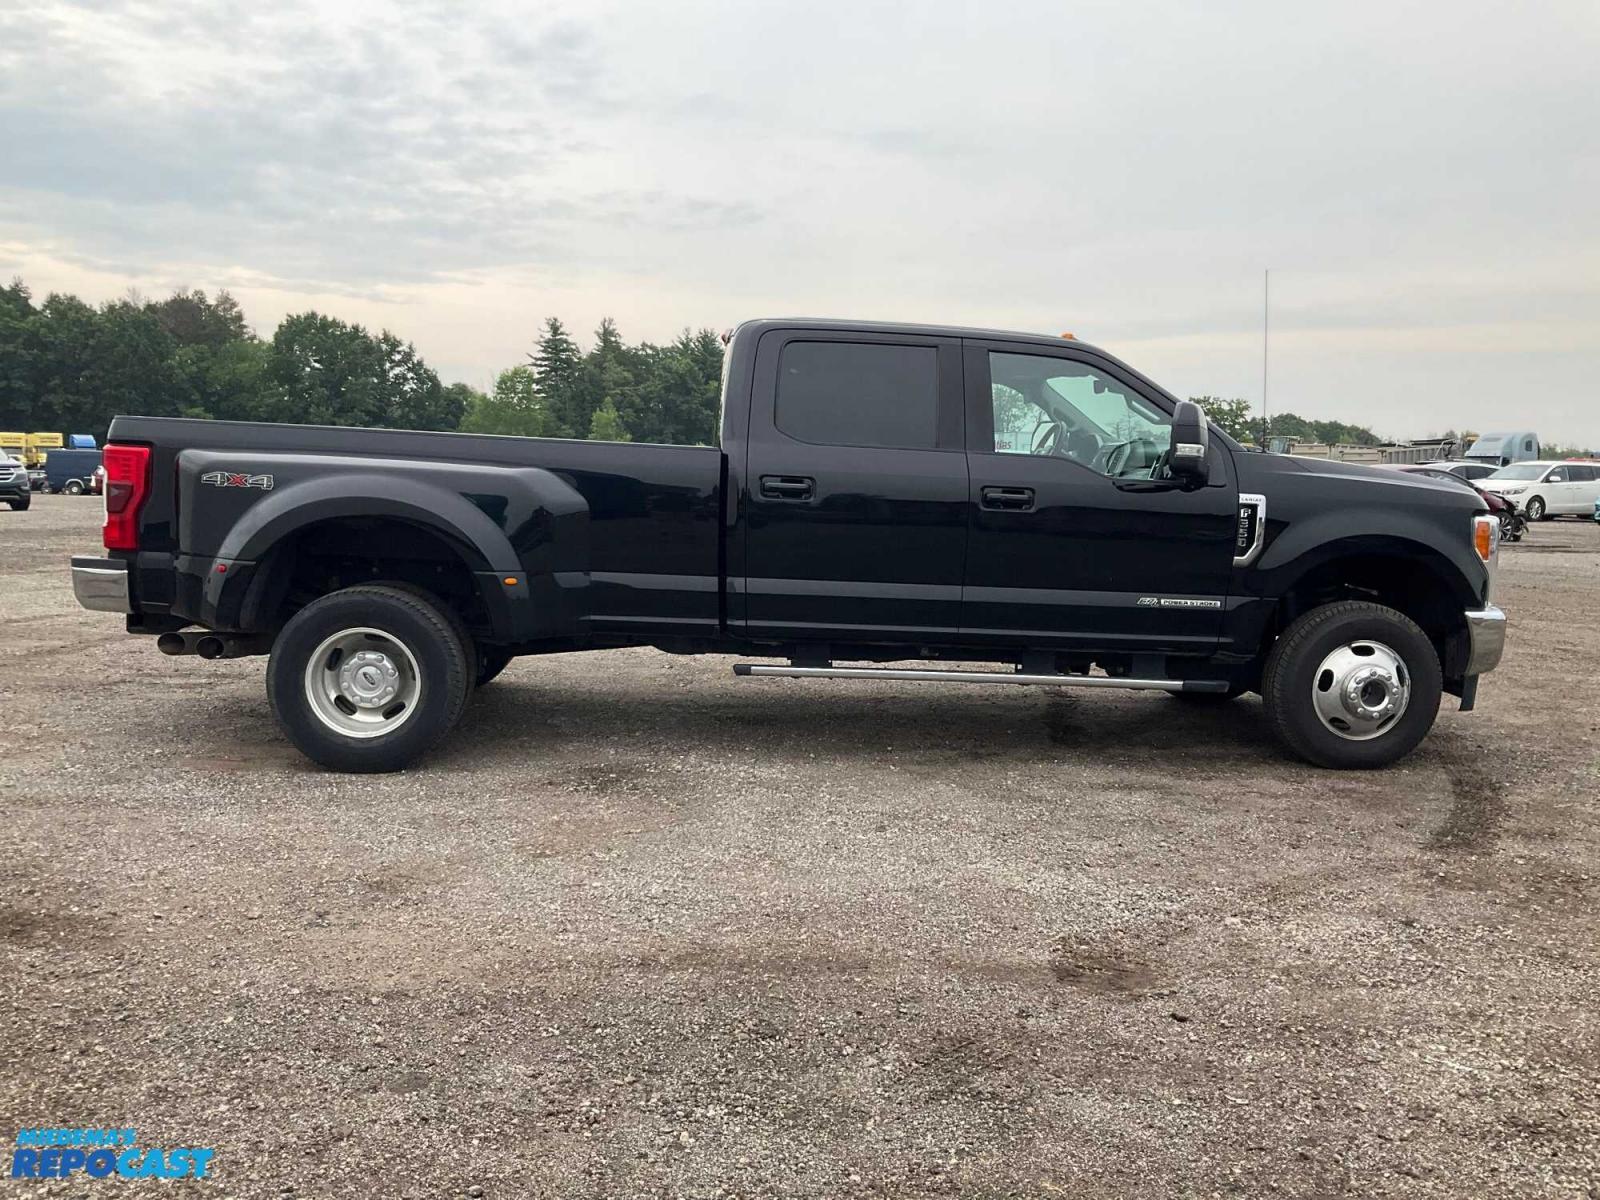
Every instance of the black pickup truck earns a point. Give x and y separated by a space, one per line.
882 494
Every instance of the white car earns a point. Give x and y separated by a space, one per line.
1547 489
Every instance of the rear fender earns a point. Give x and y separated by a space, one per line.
520 523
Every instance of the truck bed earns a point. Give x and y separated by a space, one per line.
629 532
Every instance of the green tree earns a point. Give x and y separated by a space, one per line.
193 320
515 407
557 366
324 371
19 358
410 395
1232 416
606 426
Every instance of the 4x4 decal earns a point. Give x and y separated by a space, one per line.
236 479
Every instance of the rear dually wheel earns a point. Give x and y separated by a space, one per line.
368 678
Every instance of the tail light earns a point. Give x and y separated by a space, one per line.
127 485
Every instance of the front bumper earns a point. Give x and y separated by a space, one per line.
1486 639
101 584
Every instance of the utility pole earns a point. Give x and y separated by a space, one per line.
1266 295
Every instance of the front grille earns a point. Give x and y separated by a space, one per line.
9 474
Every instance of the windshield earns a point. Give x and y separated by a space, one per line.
1521 471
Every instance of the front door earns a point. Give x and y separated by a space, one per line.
855 488
1078 541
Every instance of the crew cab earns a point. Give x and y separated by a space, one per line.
883 494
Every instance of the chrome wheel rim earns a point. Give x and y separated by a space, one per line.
1361 690
363 683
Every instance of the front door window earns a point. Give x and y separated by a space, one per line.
1052 407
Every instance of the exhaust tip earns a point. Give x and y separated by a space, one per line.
172 643
210 647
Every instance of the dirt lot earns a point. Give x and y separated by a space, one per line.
644 930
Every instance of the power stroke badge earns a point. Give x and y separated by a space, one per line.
237 479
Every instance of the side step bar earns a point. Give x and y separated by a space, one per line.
1102 681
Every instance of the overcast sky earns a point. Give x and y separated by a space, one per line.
1422 178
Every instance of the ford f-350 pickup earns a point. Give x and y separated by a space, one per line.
882 494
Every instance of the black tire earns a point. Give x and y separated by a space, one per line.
1534 509
463 634
414 621
1293 666
73 487
491 661
21 503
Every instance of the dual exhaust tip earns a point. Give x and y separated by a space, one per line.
212 645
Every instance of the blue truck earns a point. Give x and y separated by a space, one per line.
72 471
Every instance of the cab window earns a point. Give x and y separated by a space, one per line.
859 394
1056 408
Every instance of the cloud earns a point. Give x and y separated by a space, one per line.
410 146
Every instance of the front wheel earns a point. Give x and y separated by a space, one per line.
1534 509
368 678
20 504
1352 685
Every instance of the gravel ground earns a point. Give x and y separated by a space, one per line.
641 929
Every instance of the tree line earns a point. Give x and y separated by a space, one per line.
69 367
1233 416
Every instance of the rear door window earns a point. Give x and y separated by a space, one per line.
859 394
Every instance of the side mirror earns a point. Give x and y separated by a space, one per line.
1191 442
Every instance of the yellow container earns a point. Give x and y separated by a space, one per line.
14 445
40 445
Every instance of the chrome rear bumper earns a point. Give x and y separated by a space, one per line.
101 584
1486 631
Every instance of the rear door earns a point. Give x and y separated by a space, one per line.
855 487
1559 490
1580 489
1076 542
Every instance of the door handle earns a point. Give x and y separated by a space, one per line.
788 487
1008 499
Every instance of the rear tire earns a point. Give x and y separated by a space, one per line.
352 721
1323 657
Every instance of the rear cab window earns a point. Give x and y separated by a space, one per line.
859 394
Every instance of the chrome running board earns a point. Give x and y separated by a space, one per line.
920 676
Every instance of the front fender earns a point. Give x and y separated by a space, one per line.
1300 546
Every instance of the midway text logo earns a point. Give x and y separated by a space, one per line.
99 1153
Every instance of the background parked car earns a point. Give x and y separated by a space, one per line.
1512 524
14 487
1548 489
1462 467
71 471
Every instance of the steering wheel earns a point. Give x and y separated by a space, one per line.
1047 439
1113 458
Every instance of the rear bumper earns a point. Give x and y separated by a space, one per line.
101 584
1486 634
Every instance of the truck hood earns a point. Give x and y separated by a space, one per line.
1400 487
